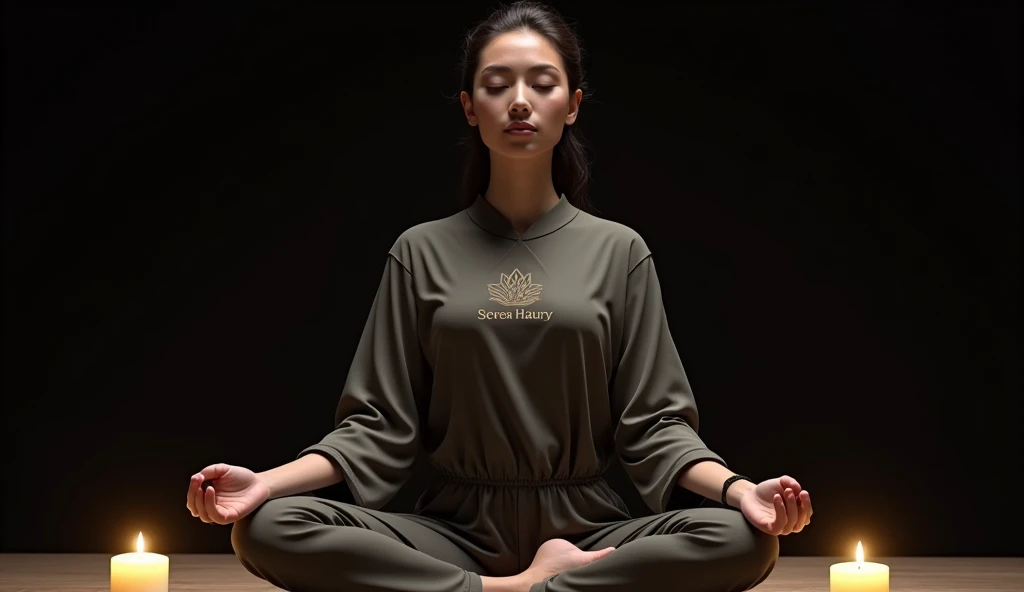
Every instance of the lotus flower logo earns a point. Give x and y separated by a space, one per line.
515 289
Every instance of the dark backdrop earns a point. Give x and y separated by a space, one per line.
197 204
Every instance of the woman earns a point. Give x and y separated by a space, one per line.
522 342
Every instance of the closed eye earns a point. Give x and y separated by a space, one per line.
497 89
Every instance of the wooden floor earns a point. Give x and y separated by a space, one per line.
30 572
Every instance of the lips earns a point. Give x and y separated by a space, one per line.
520 125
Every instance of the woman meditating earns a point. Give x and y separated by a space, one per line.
522 344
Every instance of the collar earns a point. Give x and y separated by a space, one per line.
485 216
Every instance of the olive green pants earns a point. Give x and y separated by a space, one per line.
313 544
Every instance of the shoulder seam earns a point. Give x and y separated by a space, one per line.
399 261
645 258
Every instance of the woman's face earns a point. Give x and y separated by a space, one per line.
521 78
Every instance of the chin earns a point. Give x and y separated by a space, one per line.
513 147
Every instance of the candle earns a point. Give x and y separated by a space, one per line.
139 571
859 576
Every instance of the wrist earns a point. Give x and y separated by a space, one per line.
736 492
266 483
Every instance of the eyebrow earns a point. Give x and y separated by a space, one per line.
504 68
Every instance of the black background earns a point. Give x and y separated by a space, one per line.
198 201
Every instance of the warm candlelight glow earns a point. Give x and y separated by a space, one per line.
859 576
139 571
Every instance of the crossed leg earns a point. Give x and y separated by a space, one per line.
692 550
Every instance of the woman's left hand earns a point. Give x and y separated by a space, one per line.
777 506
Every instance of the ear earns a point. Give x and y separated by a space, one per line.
574 107
467 108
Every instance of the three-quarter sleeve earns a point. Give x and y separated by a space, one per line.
656 436
376 438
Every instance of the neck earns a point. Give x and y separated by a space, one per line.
521 189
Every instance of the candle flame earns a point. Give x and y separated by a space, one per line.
860 552
138 543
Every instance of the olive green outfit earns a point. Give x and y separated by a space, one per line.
523 366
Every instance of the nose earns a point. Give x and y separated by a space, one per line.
519 104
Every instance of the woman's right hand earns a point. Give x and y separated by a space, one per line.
222 493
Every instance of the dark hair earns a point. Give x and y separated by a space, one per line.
570 168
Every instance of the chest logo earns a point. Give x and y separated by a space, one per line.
515 289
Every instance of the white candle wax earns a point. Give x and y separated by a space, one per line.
859 576
139 571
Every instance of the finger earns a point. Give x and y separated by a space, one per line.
211 506
188 494
780 514
787 481
201 506
193 489
792 512
804 503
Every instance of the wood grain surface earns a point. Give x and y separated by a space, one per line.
39 572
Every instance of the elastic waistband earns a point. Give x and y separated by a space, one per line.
449 476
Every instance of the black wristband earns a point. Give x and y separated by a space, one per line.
730 481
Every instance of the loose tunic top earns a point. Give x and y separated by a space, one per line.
523 366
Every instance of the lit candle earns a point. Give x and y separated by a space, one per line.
859 576
139 571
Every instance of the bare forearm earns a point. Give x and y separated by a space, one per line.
707 477
306 473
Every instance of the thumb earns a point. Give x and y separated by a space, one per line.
214 471
603 552
774 486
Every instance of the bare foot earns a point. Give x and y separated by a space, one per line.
557 555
